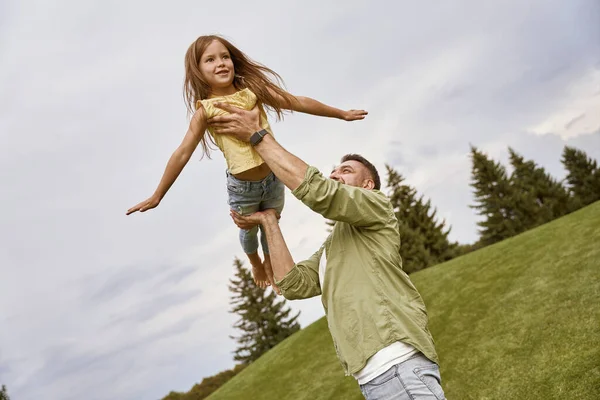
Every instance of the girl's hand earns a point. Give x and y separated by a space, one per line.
145 205
354 115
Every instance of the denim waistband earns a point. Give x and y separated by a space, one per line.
250 184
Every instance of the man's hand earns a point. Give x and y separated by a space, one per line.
239 123
354 115
250 221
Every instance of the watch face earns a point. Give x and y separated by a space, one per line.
257 137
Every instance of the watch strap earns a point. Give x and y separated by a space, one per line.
257 137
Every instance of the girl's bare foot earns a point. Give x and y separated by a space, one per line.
258 271
269 272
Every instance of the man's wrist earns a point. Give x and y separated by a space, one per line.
266 138
269 218
258 136
254 130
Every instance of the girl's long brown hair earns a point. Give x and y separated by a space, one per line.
249 74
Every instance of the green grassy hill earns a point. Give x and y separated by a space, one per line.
516 320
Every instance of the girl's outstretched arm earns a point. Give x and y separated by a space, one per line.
178 160
311 106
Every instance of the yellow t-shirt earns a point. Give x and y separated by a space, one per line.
240 156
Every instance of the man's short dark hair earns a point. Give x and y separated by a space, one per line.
366 163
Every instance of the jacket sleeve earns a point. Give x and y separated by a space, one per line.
302 281
339 202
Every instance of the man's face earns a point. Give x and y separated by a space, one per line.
353 173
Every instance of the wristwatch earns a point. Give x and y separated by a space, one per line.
257 137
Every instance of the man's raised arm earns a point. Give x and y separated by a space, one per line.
331 199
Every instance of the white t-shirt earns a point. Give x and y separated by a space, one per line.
385 358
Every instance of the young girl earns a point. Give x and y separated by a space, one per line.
215 70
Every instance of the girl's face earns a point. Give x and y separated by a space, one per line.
217 68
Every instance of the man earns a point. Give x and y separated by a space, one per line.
376 317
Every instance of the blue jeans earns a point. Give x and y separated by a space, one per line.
247 197
414 379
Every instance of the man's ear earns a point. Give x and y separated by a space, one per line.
368 184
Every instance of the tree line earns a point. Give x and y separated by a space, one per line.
508 204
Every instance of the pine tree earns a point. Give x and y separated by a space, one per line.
424 219
539 198
423 240
583 176
4 394
495 199
264 321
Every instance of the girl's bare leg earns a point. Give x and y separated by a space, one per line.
258 271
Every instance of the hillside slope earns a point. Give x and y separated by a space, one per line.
516 320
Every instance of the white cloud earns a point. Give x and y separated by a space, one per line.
579 109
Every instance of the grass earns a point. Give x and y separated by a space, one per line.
516 320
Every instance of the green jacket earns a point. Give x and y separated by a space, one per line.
369 300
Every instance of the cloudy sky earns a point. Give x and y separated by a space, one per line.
97 305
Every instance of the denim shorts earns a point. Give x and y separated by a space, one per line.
247 197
